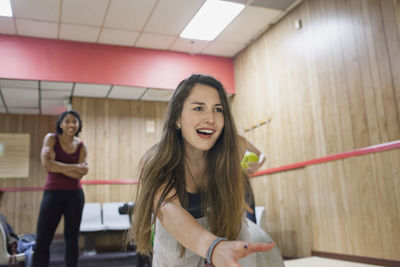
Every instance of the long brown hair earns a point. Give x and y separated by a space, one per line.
163 167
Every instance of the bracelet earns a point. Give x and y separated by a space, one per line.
211 248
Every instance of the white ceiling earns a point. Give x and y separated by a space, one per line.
154 24
51 98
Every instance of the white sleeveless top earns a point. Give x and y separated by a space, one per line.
167 251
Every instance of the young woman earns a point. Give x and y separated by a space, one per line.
192 186
64 158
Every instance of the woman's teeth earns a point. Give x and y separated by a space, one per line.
203 131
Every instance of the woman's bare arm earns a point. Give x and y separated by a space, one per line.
51 165
83 169
187 231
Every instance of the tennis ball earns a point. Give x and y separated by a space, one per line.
152 236
249 157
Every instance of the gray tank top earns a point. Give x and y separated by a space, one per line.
167 252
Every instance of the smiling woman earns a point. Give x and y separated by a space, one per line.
64 158
192 182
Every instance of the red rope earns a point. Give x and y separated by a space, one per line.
353 153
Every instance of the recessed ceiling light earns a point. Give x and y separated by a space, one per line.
211 20
5 8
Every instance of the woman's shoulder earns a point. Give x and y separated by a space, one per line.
79 143
77 140
50 138
51 135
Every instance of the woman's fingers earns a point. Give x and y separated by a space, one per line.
227 253
246 248
258 247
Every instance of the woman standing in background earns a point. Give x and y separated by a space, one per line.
64 158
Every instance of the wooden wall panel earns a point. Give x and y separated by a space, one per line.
116 135
330 87
22 208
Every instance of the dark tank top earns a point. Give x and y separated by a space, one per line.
194 205
59 181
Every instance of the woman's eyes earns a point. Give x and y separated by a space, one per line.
219 110
68 121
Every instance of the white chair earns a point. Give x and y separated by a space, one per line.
90 224
260 211
91 218
111 217
4 255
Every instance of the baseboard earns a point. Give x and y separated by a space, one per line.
353 258
288 258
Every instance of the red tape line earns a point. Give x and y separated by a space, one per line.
353 153
85 182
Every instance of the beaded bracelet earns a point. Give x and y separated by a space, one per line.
211 248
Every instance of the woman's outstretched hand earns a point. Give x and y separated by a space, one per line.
227 253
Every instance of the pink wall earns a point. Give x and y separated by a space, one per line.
56 60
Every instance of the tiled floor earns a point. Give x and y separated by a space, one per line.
323 262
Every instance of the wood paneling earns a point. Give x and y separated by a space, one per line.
22 208
330 87
14 155
116 136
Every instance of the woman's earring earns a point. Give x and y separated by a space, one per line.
178 126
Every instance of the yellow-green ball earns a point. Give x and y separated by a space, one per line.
152 236
249 157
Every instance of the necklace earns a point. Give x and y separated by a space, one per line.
191 175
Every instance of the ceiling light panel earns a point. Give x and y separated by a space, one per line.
211 20
5 8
